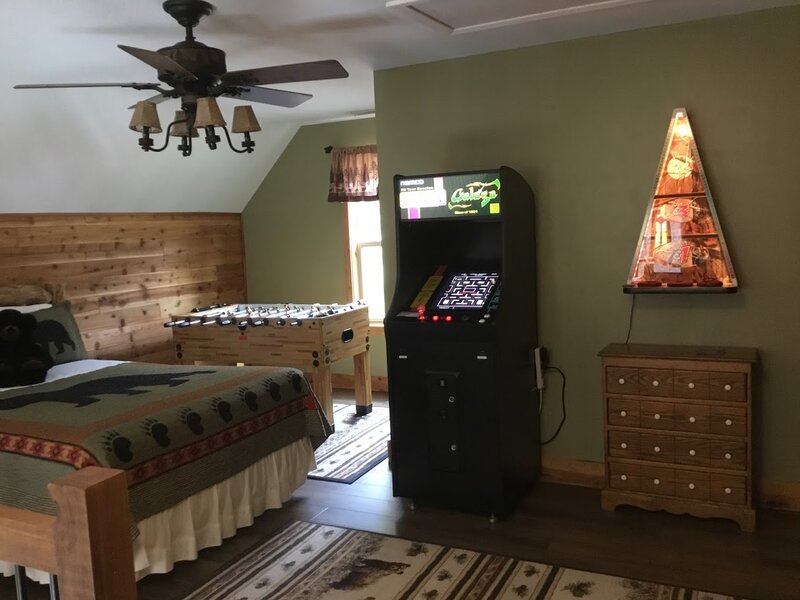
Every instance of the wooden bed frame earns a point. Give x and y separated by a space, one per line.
87 545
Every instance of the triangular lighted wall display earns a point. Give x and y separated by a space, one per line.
681 247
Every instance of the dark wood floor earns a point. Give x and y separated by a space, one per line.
556 524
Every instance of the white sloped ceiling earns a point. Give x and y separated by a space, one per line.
70 150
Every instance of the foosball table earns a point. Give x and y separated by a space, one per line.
310 337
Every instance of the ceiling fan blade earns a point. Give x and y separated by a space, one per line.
134 85
156 99
158 61
265 95
296 72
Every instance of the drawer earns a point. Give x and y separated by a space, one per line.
691 484
728 489
693 451
622 380
728 454
727 386
691 384
728 420
657 447
623 444
657 480
623 476
692 418
657 415
623 412
655 382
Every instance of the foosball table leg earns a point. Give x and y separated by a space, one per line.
362 383
323 388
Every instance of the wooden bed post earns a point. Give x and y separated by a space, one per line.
92 536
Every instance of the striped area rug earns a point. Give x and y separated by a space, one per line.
357 445
310 562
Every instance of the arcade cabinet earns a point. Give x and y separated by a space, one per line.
460 333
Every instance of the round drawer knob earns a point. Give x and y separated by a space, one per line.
623 445
623 477
692 452
656 449
691 486
655 383
727 456
623 413
728 490
621 381
657 416
728 422
727 387
691 385
451 399
657 481
453 447
692 419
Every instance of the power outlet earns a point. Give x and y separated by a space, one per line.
538 367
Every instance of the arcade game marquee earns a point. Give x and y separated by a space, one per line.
460 333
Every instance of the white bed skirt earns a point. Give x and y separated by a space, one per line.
208 517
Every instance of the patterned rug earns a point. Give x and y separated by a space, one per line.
310 562
357 445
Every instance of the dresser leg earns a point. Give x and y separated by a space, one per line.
747 521
607 502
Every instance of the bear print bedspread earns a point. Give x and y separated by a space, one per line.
175 430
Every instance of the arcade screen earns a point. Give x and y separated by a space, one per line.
457 196
466 291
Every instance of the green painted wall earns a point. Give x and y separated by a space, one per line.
294 244
584 121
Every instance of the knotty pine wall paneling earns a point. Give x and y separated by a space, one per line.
124 274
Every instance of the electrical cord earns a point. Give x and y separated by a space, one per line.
630 319
563 404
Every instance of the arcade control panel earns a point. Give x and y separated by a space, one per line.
456 296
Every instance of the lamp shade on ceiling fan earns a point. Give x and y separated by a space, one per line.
208 113
145 115
244 120
181 127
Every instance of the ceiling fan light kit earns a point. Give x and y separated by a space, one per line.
197 74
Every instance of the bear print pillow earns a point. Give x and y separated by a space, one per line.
58 332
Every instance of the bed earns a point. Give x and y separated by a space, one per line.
203 449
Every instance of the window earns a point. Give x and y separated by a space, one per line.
365 256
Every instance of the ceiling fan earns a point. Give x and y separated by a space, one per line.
194 71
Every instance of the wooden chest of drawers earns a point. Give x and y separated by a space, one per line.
678 422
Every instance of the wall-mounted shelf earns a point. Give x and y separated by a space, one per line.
681 247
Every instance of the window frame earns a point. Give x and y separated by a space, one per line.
351 270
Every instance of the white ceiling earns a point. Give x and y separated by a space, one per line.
69 150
